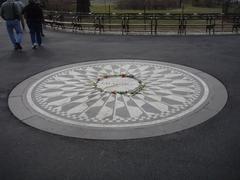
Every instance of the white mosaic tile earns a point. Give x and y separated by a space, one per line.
80 95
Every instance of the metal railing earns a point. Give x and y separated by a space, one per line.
152 23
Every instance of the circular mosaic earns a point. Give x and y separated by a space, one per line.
113 95
121 84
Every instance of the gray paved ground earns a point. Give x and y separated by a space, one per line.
208 151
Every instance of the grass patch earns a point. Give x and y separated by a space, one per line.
101 8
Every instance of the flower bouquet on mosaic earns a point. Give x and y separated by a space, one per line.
125 76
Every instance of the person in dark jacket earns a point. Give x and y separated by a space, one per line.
41 4
11 13
34 18
21 7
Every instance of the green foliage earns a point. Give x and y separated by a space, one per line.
113 7
148 4
59 5
206 3
188 8
66 5
234 9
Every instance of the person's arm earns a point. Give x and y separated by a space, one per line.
41 15
24 13
21 5
22 22
2 13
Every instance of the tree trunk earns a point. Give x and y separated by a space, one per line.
83 6
226 5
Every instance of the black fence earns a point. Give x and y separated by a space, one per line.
152 23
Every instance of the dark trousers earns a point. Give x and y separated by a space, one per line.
35 31
41 29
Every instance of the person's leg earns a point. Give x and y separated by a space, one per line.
35 34
42 34
38 33
32 33
19 33
10 28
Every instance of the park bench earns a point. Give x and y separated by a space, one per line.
78 23
153 23
182 27
98 24
55 21
236 24
168 22
58 22
138 22
121 22
48 20
209 25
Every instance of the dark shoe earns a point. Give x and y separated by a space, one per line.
34 46
15 47
18 46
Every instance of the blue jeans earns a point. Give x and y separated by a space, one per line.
35 32
15 37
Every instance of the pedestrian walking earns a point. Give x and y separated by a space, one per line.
11 13
41 5
21 6
34 18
